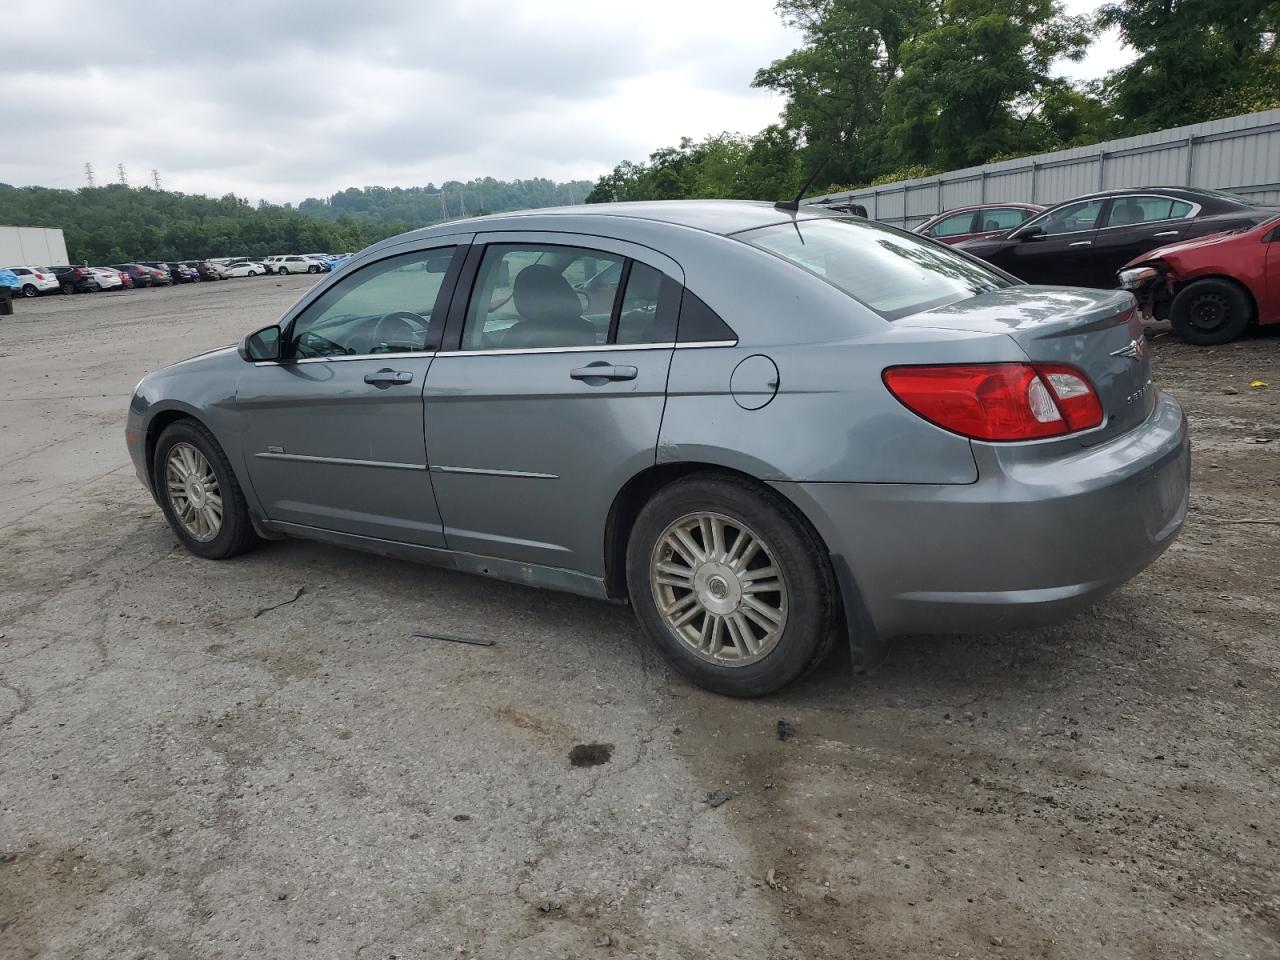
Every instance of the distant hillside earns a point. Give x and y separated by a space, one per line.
118 224
422 206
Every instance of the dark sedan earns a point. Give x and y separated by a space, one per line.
1083 242
141 276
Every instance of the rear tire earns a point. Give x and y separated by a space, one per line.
783 593
67 289
186 448
1210 312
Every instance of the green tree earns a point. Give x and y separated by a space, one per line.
976 83
1197 60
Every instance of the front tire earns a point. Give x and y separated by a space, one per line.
1210 312
732 584
199 493
29 290
313 269
283 271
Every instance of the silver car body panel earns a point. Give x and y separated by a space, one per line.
496 462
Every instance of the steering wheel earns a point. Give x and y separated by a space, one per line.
311 344
398 328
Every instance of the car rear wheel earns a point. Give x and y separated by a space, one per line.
67 289
732 585
199 493
1210 312
29 290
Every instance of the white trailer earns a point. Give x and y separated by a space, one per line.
32 246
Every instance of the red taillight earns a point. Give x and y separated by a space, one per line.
998 401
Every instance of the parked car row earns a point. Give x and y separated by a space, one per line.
1207 261
33 281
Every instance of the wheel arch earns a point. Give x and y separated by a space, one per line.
1224 278
636 492
156 425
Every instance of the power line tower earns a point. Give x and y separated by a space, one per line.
88 174
124 177
155 178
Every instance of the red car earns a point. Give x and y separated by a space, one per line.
979 220
1211 288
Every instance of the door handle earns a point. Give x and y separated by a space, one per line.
386 377
600 372
1166 233
1081 243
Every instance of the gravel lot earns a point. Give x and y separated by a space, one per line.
186 772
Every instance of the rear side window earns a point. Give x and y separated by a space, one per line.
952 226
534 296
1002 218
894 273
1126 211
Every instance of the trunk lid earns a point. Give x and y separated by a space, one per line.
1097 331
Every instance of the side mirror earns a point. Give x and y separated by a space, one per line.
1030 233
261 345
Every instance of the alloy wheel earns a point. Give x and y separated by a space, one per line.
193 491
719 589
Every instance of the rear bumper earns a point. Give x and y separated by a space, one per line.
1026 545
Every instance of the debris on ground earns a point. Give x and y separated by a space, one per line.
591 754
283 603
450 638
1258 384
717 798
786 730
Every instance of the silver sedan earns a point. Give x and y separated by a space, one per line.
764 428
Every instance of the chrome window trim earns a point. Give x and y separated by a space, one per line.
352 356
601 348
702 344
340 461
1195 209
494 472
1190 215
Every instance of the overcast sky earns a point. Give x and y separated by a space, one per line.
285 101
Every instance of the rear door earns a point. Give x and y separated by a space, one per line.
549 394
954 227
1063 253
1133 225
332 434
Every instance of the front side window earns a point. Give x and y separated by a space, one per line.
1002 218
387 307
953 225
1126 211
895 274
1071 218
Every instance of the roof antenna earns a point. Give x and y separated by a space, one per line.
794 205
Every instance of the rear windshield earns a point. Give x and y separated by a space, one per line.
894 273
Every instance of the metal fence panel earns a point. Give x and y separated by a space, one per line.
1240 154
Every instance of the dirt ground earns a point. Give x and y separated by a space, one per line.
189 769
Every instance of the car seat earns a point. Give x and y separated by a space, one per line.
550 312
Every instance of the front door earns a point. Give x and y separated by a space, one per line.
1063 253
551 396
333 432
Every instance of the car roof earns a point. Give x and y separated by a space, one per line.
712 216
1201 195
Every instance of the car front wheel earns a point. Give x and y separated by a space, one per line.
313 269
199 493
732 584
1209 312
29 290
283 271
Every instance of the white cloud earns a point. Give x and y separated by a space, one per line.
295 100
